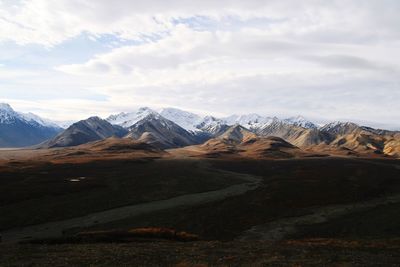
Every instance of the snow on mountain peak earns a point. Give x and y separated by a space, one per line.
185 119
6 107
33 118
8 115
250 121
338 125
301 122
128 119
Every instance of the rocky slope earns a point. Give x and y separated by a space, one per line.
91 129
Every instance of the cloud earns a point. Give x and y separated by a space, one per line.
331 59
50 22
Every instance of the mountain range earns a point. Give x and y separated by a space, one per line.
174 128
24 129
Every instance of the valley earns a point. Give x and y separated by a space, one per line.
232 204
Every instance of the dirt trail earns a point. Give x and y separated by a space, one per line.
279 229
56 229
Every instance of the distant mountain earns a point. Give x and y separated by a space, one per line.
236 134
239 141
392 145
300 121
253 122
81 132
20 129
126 120
359 139
174 128
185 119
203 128
162 133
268 147
296 135
212 126
341 128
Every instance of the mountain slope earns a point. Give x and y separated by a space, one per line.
252 121
341 128
212 126
236 134
268 147
159 131
237 141
91 129
19 130
126 120
295 135
300 121
392 146
184 119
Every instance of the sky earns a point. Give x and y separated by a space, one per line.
325 60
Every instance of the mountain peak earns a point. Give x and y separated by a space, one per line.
237 134
126 120
339 127
185 119
300 121
250 121
6 107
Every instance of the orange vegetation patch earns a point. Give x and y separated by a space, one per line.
137 233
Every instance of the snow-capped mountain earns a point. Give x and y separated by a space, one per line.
126 120
185 119
30 117
161 132
212 126
23 129
251 121
301 122
7 114
340 128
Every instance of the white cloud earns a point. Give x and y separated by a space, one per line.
51 22
331 59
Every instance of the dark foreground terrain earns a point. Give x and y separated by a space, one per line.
316 252
294 212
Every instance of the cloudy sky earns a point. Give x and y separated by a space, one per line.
326 60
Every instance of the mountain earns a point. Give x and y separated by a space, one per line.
268 147
20 129
81 132
212 126
33 118
300 121
163 133
205 128
186 120
252 121
341 128
296 135
238 141
126 120
115 144
226 142
236 134
392 145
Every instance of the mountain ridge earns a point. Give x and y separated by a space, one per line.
183 128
